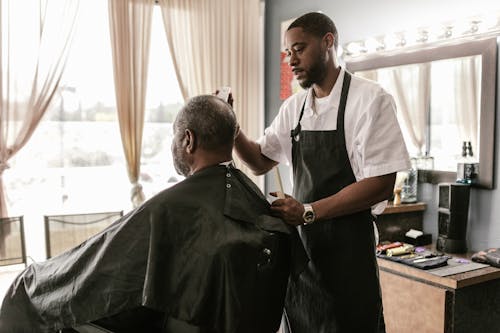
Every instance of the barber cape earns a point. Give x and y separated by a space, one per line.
201 256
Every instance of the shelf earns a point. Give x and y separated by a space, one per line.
404 208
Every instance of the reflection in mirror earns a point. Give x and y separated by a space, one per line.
438 107
445 95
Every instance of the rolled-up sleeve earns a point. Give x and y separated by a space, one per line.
275 143
379 143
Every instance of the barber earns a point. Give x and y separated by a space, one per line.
342 138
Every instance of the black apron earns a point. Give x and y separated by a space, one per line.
339 290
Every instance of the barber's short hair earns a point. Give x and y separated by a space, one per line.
211 120
316 24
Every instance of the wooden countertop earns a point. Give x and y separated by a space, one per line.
454 281
404 208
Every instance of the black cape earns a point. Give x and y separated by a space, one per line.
201 256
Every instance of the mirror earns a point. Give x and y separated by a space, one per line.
445 95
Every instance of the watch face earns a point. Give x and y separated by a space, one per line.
308 216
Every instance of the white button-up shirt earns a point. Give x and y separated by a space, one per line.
373 137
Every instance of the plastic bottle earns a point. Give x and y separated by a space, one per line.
474 164
469 150
409 189
467 166
461 177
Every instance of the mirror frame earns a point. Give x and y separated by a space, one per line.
487 48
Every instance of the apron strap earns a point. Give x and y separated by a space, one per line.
298 128
343 100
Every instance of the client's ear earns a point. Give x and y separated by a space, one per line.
190 141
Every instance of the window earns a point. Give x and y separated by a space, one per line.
74 161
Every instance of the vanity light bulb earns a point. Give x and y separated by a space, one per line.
402 41
351 48
474 26
390 41
373 45
410 38
423 36
354 48
436 32
462 28
444 31
448 32
489 22
431 37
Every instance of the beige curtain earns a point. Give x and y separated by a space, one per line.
130 28
467 78
35 40
217 43
410 86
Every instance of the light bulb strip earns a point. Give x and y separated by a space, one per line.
474 28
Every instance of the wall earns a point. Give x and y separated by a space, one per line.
355 20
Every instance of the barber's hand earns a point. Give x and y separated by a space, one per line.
237 132
288 209
230 99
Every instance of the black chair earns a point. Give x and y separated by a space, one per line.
63 232
12 244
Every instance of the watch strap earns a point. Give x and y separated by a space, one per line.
309 216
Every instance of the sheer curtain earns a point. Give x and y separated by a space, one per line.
33 55
130 28
467 78
216 43
410 88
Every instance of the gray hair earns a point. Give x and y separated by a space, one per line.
211 120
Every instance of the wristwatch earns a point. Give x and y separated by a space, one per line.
309 216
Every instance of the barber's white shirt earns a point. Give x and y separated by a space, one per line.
373 137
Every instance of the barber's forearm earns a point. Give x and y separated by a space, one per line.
249 152
355 197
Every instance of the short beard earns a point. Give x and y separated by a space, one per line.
179 158
316 74
181 167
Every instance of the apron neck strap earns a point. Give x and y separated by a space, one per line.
297 129
343 100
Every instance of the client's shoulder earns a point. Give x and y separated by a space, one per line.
206 185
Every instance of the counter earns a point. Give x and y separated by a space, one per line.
417 301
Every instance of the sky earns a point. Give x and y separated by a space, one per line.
90 63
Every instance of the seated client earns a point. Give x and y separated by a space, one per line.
203 256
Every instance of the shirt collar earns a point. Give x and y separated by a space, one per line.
227 163
333 98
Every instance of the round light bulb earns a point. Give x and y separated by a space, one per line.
373 45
